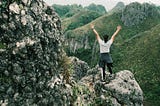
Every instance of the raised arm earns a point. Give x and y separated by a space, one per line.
115 33
95 32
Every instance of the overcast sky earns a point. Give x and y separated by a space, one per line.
109 4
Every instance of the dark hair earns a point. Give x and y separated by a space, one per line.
105 37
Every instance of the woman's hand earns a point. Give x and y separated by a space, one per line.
92 26
119 27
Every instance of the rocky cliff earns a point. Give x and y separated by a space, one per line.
135 13
31 40
121 90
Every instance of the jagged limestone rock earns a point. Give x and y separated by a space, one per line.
31 48
136 13
121 90
79 68
124 89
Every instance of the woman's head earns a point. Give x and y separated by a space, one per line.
105 37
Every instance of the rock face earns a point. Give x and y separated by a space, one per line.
122 90
79 67
30 41
135 13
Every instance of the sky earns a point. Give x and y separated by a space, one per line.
108 4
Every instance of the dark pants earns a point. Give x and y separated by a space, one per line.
109 65
105 59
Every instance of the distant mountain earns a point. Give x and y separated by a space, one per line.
79 19
97 8
135 13
119 7
65 11
74 16
108 22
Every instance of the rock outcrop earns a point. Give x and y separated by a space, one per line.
30 51
79 68
121 90
135 13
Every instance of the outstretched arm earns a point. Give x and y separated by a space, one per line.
116 32
96 33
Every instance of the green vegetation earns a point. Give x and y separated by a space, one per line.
74 16
65 11
79 19
97 8
141 56
65 65
78 91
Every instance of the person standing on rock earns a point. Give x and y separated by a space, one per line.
105 58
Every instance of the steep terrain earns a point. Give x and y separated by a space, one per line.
119 7
79 19
141 55
138 21
107 24
120 90
66 11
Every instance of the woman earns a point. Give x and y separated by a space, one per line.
105 58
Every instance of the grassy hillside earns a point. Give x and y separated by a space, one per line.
65 11
107 25
81 18
141 55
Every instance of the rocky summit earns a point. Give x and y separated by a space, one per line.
120 90
35 71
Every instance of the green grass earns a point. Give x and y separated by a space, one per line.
79 19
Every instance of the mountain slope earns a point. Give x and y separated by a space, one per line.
79 19
141 55
106 24
65 11
119 7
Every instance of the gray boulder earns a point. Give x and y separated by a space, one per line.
121 90
79 68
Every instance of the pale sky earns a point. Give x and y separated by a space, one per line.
109 4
